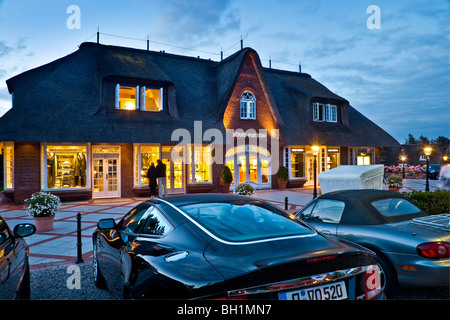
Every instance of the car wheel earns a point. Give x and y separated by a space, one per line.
388 276
99 280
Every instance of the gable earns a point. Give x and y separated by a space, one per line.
250 78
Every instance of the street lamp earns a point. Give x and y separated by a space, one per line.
427 150
403 157
315 149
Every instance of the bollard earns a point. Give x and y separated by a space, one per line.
286 203
79 244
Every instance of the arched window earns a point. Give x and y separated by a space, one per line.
248 105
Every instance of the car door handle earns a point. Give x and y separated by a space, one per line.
326 232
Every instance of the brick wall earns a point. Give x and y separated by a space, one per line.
27 173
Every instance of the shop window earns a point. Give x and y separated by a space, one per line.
324 112
8 167
66 167
332 158
297 162
144 157
248 106
202 164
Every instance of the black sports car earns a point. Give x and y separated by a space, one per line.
217 246
14 267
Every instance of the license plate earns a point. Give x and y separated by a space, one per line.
332 291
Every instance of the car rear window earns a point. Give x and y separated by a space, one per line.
395 207
243 222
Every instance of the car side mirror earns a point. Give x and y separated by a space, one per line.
3 238
106 224
24 230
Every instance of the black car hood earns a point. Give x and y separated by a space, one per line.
279 260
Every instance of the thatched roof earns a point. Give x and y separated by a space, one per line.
64 100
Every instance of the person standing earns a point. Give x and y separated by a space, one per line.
161 173
152 175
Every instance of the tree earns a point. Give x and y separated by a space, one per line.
411 139
442 143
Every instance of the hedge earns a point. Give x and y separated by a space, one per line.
431 202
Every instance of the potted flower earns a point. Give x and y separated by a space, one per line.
244 189
282 177
225 179
394 183
43 207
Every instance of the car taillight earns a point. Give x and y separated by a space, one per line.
434 250
372 283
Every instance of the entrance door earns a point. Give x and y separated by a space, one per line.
106 176
174 170
310 168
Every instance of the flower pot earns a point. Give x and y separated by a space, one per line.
394 189
225 188
282 184
44 224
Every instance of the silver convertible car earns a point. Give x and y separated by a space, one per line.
413 248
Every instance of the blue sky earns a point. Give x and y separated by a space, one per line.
398 75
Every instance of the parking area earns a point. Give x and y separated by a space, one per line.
60 244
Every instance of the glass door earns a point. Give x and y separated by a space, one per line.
106 176
174 170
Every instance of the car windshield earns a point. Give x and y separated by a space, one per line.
244 221
395 207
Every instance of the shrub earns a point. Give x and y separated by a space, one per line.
42 204
226 177
394 182
282 173
431 202
244 189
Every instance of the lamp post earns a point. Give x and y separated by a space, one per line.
315 149
403 157
427 150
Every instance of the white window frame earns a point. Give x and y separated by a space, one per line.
329 112
139 93
248 106
142 99
44 182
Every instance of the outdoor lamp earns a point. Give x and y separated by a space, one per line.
427 150
403 157
445 158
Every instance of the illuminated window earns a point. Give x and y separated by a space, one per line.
66 167
144 156
139 98
9 166
126 97
248 106
297 162
151 99
202 164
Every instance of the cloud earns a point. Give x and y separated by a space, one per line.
196 22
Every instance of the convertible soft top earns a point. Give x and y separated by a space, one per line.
358 209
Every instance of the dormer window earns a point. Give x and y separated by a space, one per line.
324 112
248 106
139 97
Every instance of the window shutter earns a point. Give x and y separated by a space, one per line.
334 113
315 111
328 113
136 97
142 98
117 101
161 92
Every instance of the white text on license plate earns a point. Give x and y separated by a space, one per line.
332 291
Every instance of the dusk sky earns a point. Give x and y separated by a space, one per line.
392 65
